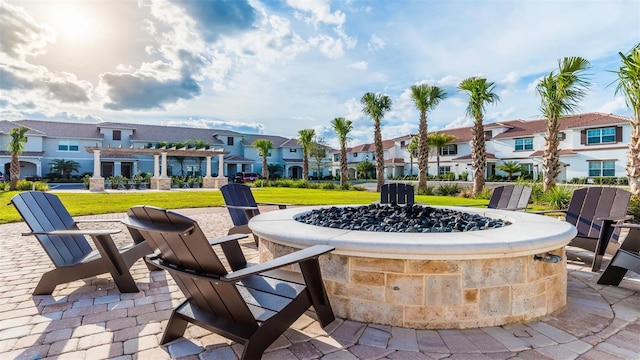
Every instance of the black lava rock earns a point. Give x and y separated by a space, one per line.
396 218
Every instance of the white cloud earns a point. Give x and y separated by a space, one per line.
615 106
320 11
360 65
375 43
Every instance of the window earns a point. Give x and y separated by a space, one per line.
68 145
451 149
444 170
230 140
355 154
524 144
117 135
603 135
293 150
336 157
402 143
488 134
602 168
528 168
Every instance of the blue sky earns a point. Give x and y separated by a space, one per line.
276 67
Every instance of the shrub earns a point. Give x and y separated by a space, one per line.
328 186
345 186
634 208
484 194
466 193
449 190
558 197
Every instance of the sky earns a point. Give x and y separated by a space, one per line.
276 67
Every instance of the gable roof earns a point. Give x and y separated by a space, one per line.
62 129
277 141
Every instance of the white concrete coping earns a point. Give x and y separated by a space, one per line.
528 234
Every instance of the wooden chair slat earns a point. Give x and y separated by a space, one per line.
398 193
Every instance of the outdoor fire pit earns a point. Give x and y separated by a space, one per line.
433 280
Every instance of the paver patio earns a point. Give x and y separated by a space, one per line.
90 319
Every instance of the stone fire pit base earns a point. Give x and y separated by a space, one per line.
439 294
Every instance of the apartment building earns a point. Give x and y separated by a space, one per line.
592 145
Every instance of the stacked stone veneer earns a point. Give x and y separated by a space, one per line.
439 294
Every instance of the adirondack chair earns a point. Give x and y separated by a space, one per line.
509 197
593 211
242 207
626 258
252 304
397 193
69 250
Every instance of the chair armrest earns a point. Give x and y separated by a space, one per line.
148 225
279 205
616 218
542 212
293 258
626 225
515 208
96 232
96 220
245 208
224 239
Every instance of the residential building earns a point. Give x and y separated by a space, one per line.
591 145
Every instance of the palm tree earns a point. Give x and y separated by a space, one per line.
374 106
274 169
264 146
560 93
439 140
629 85
64 167
364 168
510 167
342 127
426 98
16 147
412 148
481 92
305 138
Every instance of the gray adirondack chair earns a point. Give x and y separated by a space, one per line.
626 258
67 247
242 207
593 211
252 305
508 197
397 193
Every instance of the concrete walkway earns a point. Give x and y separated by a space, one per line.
90 319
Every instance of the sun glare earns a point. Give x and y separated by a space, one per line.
74 25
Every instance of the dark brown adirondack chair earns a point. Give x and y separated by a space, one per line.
509 197
252 305
593 211
242 207
397 193
69 250
626 258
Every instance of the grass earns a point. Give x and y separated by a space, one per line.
86 203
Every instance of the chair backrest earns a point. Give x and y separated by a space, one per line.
184 247
238 195
510 197
588 204
397 192
45 212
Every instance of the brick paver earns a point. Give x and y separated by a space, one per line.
90 319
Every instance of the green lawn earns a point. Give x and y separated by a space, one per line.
86 203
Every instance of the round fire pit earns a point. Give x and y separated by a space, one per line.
433 280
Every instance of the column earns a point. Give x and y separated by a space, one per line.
117 168
221 165
164 165
156 165
208 173
96 164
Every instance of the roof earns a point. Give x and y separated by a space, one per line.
386 144
277 141
24 153
561 152
520 128
63 129
468 157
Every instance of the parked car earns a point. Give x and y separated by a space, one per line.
243 177
3 177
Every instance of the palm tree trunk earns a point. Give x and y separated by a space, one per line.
343 164
379 155
551 157
633 162
14 171
423 155
478 157
305 165
265 168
